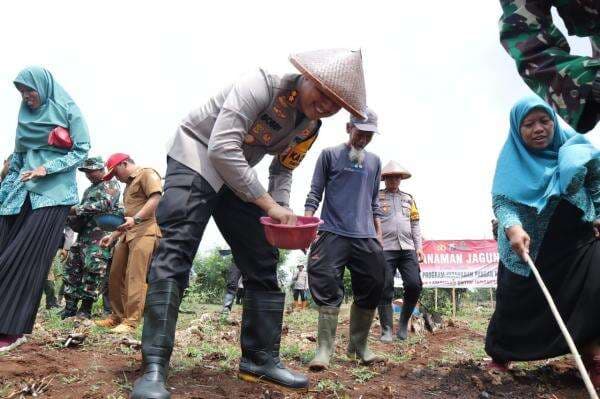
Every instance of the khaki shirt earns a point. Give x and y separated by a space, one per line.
143 183
399 221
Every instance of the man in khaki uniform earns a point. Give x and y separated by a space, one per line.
402 248
138 238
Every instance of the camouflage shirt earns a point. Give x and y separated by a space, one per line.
97 199
543 56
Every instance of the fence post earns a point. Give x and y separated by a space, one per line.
453 302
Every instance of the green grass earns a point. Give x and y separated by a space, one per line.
294 352
123 383
69 379
6 389
327 384
362 374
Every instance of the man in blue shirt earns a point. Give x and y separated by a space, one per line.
349 237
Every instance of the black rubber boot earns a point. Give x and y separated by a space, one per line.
260 337
158 337
85 310
386 317
50 297
70 309
407 309
106 304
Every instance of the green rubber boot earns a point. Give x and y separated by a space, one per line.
386 317
328 319
360 325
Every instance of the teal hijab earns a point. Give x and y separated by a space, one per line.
57 108
531 177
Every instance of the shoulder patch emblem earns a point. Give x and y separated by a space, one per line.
292 96
279 112
282 101
267 137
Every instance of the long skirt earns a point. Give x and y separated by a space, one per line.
28 243
522 326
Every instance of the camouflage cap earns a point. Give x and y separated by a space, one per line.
92 163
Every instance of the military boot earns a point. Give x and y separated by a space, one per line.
106 310
260 337
328 319
70 309
360 325
158 337
85 310
386 320
50 297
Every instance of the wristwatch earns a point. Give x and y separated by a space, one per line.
137 220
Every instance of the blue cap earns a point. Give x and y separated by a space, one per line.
365 125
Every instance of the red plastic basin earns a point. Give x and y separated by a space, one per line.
284 236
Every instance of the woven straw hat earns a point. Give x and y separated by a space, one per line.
394 168
339 74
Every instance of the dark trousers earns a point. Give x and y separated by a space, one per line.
28 243
186 206
233 279
330 254
239 295
301 294
407 263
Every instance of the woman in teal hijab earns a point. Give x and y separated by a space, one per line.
546 197
35 198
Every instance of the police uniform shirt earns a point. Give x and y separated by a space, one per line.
399 221
234 130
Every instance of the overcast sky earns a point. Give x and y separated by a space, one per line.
435 72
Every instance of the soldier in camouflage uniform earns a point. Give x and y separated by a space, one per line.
86 266
569 83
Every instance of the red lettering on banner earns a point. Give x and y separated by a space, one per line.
459 263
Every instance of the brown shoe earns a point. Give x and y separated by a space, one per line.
110 322
122 329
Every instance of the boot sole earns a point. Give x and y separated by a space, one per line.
262 380
355 357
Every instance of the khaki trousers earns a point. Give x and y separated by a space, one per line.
127 281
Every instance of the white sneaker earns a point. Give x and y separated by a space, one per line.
10 343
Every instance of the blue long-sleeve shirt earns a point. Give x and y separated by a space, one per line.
13 191
351 192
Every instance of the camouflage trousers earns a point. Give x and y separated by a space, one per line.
85 270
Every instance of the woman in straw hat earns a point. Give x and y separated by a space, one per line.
402 248
546 196
210 173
